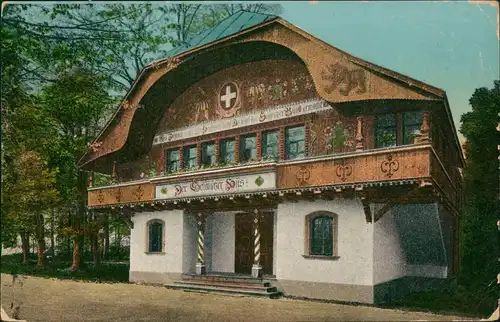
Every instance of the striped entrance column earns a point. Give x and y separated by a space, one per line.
200 263
256 268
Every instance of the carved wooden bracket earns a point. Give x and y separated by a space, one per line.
128 106
366 208
95 146
173 62
379 213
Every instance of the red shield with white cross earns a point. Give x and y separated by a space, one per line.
228 99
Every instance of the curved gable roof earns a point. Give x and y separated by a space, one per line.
241 23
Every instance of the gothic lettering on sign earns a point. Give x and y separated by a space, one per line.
347 81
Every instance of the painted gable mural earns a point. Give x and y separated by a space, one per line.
239 90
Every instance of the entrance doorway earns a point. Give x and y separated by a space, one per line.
244 243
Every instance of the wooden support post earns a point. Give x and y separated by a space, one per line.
113 173
200 264
256 268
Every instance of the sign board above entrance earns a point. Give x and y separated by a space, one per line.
217 186
262 116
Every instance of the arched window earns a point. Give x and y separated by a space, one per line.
155 236
321 235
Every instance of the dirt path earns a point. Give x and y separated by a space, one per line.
53 300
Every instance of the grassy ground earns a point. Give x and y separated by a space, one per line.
458 303
44 299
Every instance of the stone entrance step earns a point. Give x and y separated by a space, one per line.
228 284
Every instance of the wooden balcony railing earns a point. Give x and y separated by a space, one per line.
390 164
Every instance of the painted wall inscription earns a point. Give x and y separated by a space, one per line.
238 90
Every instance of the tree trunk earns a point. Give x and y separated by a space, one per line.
40 239
106 238
79 222
52 228
25 246
76 254
95 245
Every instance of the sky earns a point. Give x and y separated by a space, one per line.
450 45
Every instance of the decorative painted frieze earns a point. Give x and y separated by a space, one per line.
216 186
258 117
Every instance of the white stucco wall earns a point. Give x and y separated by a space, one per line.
389 260
223 241
171 261
189 244
355 244
275 240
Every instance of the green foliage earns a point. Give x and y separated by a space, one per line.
457 302
479 234
108 272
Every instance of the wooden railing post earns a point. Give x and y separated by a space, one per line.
359 134
424 129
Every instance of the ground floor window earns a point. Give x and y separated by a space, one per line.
321 234
155 236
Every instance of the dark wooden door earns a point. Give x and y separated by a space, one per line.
244 243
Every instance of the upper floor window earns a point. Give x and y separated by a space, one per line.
227 150
385 130
270 144
412 121
208 153
189 157
173 160
248 147
155 236
295 146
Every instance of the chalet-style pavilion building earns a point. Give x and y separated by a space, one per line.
260 159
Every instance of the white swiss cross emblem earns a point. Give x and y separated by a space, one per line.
228 96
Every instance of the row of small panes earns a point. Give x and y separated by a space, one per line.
294 148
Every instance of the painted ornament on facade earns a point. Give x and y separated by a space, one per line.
228 100
202 107
278 91
346 81
338 136
256 94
